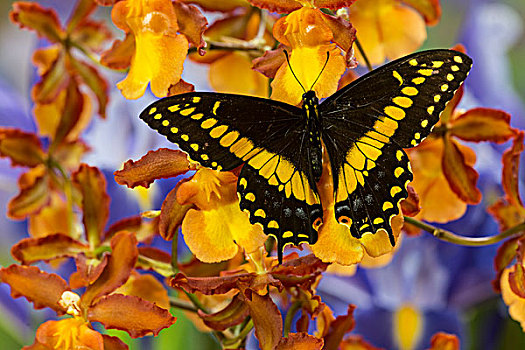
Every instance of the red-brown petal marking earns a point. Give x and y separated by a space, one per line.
483 124
47 248
211 285
300 341
130 224
356 342
146 287
270 62
95 201
54 80
192 23
180 87
444 341
119 55
504 256
511 165
41 288
267 319
69 333
82 10
233 314
159 164
301 272
410 205
22 148
517 280
71 114
32 16
96 82
33 196
338 328
287 6
171 215
430 9
132 314
113 343
120 264
88 271
461 177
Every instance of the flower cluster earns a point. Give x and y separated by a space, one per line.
230 281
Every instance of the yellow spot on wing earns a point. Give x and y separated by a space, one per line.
418 80
197 116
260 212
427 72
437 98
399 171
413 62
250 196
398 77
297 187
173 108
196 99
370 152
195 147
288 234
208 123
378 221
356 158
243 182
229 138
437 64
260 159
402 101
284 170
269 168
174 130
360 178
157 116
395 190
185 137
387 205
273 224
152 110
399 155
454 68
430 109
395 112
187 111
424 123
458 59
215 106
444 87
204 156
450 77
165 123
218 131
409 91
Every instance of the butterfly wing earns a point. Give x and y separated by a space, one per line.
367 124
223 131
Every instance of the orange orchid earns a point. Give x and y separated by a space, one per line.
200 205
392 28
158 34
313 39
98 303
443 173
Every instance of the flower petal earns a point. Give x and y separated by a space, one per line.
269 63
69 333
146 287
300 341
113 343
132 314
95 201
162 163
287 6
22 148
510 175
51 219
96 83
120 264
461 176
120 53
27 281
171 215
429 9
338 328
33 196
410 205
515 303
88 271
31 15
53 81
54 246
483 124
192 23
80 13
233 314
266 318
444 341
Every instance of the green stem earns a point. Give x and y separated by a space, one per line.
246 329
362 52
290 315
182 304
67 188
451 237
193 298
175 252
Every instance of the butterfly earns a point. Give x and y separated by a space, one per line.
363 127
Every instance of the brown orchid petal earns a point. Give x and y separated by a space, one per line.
33 196
444 341
510 174
505 254
22 148
36 346
517 280
113 343
30 250
344 35
92 35
300 341
70 114
267 319
192 23
69 333
146 287
196 268
50 219
130 224
120 264
95 201
508 215
483 124
28 281
300 272
106 2
96 83
338 328
211 285
159 164
233 314
180 87
461 176
88 271
155 254
32 16
45 57
270 62
119 55
356 342
220 6
410 205
82 10
287 6
171 215
132 314
448 113
430 9
53 81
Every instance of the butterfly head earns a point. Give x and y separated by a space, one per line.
310 98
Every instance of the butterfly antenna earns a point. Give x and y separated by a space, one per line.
322 69
289 65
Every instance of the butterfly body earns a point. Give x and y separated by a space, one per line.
363 128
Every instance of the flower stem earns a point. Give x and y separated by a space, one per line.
182 304
289 317
193 298
362 52
452 237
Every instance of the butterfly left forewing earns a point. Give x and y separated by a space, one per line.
367 124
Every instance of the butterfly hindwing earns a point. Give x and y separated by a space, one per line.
224 131
367 123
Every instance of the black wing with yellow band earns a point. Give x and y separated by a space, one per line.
366 125
223 131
